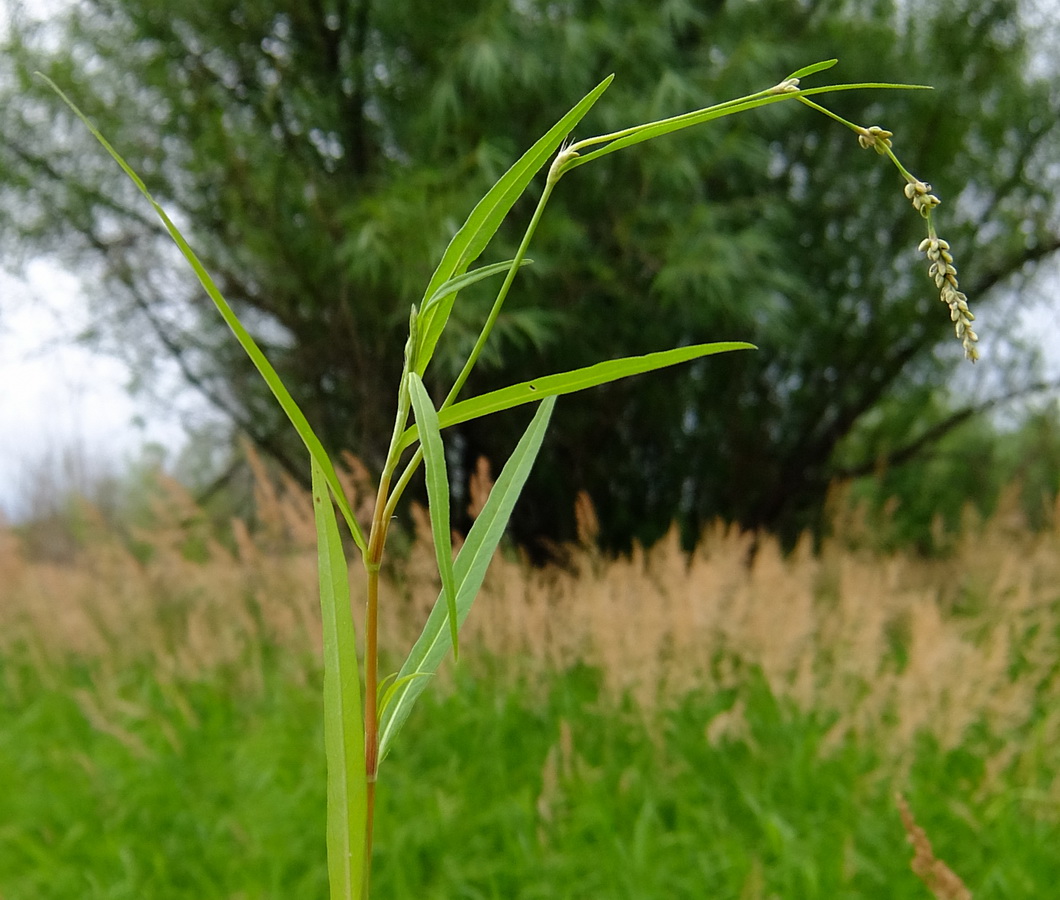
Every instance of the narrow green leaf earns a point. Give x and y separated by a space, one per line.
437 495
272 379
569 382
470 568
343 720
469 242
813 68
455 285
383 682
698 117
392 684
864 85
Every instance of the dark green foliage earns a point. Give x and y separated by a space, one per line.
215 790
321 155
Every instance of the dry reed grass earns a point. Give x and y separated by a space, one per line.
941 880
893 646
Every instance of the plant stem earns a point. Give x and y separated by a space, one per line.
371 715
373 559
402 483
829 113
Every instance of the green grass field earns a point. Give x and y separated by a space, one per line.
498 790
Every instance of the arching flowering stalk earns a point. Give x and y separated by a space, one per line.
945 276
940 269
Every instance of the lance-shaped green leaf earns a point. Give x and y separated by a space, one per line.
569 382
455 285
437 495
638 133
487 216
343 721
272 379
469 568
390 685
812 69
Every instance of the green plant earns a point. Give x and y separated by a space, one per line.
356 741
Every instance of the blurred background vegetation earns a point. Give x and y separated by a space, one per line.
719 723
321 154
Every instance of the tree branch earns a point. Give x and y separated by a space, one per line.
267 441
939 430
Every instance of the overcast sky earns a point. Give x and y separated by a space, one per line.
57 400
62 405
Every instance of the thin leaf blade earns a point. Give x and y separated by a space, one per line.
455 285
813 68
569 382
437 495
469 242
394 686
249 345
698 117
470 569
343 719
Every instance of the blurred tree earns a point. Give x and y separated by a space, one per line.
1014 470
321 153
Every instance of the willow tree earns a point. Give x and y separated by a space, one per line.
312 149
